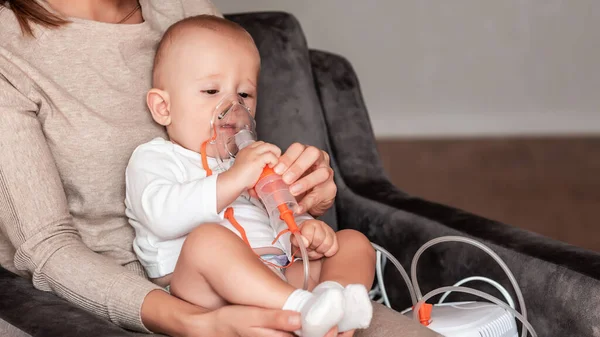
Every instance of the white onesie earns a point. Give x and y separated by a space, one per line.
169 194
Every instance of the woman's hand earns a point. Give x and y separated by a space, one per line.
306 169
247 321
163 313
240 321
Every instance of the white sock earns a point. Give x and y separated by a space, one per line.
358 309
297 300
320 312
326 286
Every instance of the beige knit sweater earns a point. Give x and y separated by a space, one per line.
72 110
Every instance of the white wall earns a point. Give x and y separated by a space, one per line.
462 67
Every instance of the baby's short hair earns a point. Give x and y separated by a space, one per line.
205 21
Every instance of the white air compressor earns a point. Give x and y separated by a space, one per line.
458 319
471 319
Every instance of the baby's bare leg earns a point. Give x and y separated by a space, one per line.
351 268
216 267
353 263
295 274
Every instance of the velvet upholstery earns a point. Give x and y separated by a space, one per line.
560 282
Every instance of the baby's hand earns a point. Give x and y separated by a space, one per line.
250 162
319 238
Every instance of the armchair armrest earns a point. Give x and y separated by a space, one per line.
39 313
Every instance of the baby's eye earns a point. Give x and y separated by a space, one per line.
243 95
211 91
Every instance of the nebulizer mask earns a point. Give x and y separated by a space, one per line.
232 129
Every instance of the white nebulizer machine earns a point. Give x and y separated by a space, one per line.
233 128
458 319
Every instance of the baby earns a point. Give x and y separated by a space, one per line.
178 194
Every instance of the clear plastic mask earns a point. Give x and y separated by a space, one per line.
233 128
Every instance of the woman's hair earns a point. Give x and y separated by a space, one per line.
30 11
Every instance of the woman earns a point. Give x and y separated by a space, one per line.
73 75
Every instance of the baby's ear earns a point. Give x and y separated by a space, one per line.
160 106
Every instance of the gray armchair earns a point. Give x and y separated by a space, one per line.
314 97
560 282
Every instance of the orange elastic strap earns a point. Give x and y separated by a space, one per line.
278 266
204 159
229 216
203 152
279 235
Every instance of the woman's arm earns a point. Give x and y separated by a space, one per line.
35 218
166 314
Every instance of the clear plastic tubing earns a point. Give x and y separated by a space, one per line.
305 261
527 326
511 277
495 284
398 266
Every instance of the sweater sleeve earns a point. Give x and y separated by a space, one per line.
196 7
34 216
161 196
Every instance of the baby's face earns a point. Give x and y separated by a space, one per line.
205 66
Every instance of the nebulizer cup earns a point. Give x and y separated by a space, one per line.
234 129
